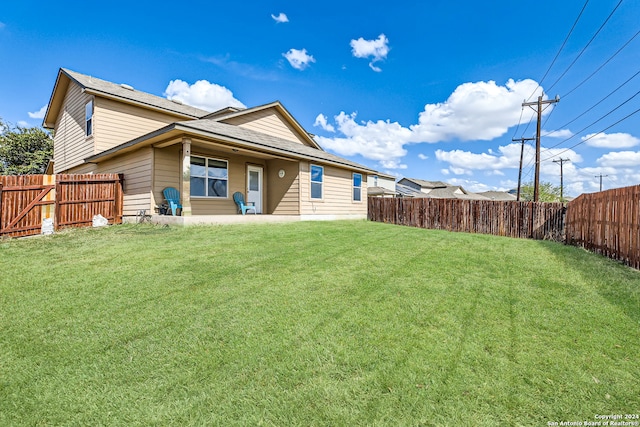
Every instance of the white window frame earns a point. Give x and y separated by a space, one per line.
355 187
312 182
207 178
89 112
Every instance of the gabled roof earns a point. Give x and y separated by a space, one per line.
230 112
446 192
426 184
121 92
234 137
498 195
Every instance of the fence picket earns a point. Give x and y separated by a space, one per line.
77 199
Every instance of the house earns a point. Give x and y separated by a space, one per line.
381 185
502 196
262 152
410 187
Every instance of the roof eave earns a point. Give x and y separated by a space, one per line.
183 128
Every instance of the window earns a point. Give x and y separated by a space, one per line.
357 187
88 118
209 177
317 176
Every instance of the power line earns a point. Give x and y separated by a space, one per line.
594 105
594 135
561 161
560 50
601 66
587 45
522 140
539 104
601 176
591 124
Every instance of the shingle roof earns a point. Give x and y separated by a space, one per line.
498 195
447 192
234 136
127 93
427 184
216 128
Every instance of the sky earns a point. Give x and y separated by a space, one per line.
430 90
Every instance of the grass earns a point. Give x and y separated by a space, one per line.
336 323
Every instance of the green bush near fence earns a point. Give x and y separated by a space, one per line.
340 323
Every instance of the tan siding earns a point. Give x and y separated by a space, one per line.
167 163
270 122
167 174
337 193
116 122
70 144
283 196
136 168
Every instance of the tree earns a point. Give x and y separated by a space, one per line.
24 150
547 192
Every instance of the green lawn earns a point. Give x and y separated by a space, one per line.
312 324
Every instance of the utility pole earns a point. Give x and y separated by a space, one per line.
538 103
522 140
561 161
601 180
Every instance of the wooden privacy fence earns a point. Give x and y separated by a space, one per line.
511 219
66 200
607 223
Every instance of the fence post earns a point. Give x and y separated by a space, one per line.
0 208
119 199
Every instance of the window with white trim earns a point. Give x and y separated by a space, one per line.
317 178
357 187
209 177
88 118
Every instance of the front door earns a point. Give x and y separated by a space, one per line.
254 186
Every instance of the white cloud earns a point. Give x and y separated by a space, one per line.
23 124
620 159
392 164
469 185
508 157
377 49
422 156
562 133
474 111
299 59
40 113
321 121
612 140
381 141
281 18
465 160
202 94
2 25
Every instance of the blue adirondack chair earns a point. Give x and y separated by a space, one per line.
172 196
238 197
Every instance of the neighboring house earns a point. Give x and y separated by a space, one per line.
410 187
499 196
381 185
262 152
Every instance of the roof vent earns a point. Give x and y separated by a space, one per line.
177 101
126 86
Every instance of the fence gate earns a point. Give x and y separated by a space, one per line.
67 200
25 201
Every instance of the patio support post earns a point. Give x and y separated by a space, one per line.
186 177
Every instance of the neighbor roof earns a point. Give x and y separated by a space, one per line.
121 92
498 195
427 184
